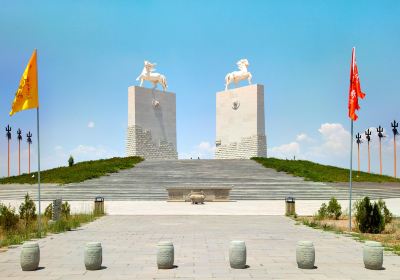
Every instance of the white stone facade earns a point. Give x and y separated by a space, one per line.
151 131
240 123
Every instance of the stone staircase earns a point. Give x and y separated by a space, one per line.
148 180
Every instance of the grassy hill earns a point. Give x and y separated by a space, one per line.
312 171
79 172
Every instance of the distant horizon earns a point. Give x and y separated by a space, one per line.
89 53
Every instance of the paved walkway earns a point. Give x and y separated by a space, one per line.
201 250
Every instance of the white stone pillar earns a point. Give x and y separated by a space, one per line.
240 123
151 131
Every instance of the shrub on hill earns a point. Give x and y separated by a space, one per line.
48 212
27 210
70 161
66 210
8 218
369 216
385 211
332 210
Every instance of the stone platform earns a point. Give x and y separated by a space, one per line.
212 193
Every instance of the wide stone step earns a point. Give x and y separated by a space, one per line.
149 179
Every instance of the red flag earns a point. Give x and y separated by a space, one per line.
355 88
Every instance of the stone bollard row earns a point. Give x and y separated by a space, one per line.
305 255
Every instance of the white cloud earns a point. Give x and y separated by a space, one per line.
204 150
302 137
285 150
333 147
90 124
206 147
336 140
83 151
59 155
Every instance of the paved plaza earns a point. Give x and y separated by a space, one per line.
201 250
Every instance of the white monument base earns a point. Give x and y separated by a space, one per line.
151 131
240 127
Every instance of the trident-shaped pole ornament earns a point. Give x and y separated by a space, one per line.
380 135
395 125
19 150
29 140
8 134
368 136
358 137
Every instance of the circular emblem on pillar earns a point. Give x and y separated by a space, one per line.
155 103
235 104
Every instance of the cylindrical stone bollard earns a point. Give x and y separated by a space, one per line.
305 254
237 254
165 255
373 255
93 255
30 256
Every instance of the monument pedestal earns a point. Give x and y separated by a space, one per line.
240 127
151 131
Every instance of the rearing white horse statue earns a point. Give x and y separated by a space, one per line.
240 75
148 75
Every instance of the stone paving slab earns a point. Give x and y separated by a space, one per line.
201 250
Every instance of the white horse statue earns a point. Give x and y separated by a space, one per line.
148 75
240 75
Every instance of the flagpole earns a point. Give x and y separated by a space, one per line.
351 171
38 140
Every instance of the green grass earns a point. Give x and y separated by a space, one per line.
312 171
21 233
77 173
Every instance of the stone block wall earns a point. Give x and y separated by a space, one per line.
140 142
254 146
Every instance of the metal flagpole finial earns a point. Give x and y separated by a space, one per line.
358 137
19 134
368 135
29 137
380 132
8 134
395 125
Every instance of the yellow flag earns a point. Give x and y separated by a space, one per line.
26 96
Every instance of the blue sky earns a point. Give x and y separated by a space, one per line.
89 52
